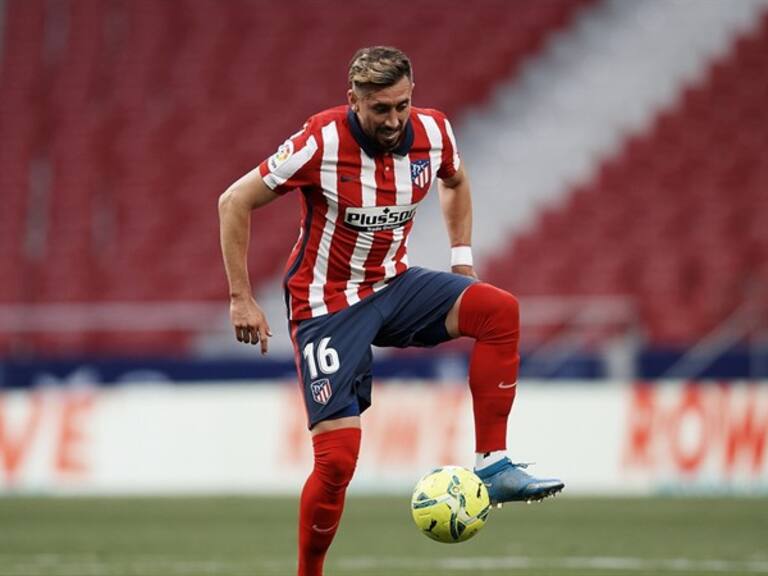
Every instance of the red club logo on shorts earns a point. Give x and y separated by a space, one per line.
321 391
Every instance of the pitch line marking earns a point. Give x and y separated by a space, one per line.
598 563
86 565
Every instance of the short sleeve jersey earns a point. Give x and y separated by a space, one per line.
358 204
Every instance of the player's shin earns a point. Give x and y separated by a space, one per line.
322 499
491 316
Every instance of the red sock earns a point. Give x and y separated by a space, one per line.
492 317
322 500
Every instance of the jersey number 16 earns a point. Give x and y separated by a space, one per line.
327 358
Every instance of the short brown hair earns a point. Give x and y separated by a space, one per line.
378 67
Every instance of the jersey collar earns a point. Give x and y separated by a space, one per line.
369 146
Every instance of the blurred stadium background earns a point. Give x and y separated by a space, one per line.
618 151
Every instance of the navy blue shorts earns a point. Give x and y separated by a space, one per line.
335 350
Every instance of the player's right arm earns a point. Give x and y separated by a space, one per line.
235 207
294 165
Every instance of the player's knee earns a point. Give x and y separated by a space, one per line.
488 312
336 457
337 468
507 309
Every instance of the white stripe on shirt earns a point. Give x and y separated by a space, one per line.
435 144
364 241
404 188
329 185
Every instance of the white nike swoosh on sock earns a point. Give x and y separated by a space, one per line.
316 528
503 385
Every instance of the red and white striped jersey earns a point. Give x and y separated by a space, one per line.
357 204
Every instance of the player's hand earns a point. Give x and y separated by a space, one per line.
249 321
465 271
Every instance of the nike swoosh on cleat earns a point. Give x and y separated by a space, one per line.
502 384
316 528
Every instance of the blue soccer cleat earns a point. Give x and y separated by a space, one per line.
508 482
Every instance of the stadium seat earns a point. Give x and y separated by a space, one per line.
140 114
676 220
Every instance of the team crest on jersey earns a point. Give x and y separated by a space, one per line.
321 391
283 153
420 173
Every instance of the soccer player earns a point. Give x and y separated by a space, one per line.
361 170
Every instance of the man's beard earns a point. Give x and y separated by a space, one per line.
389 140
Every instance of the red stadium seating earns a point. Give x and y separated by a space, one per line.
121 122
677 219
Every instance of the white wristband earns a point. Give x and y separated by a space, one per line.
461 256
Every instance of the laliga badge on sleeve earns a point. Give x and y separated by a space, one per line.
283 153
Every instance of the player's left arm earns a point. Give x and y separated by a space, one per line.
456 204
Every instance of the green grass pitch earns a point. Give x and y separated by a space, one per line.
252 536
